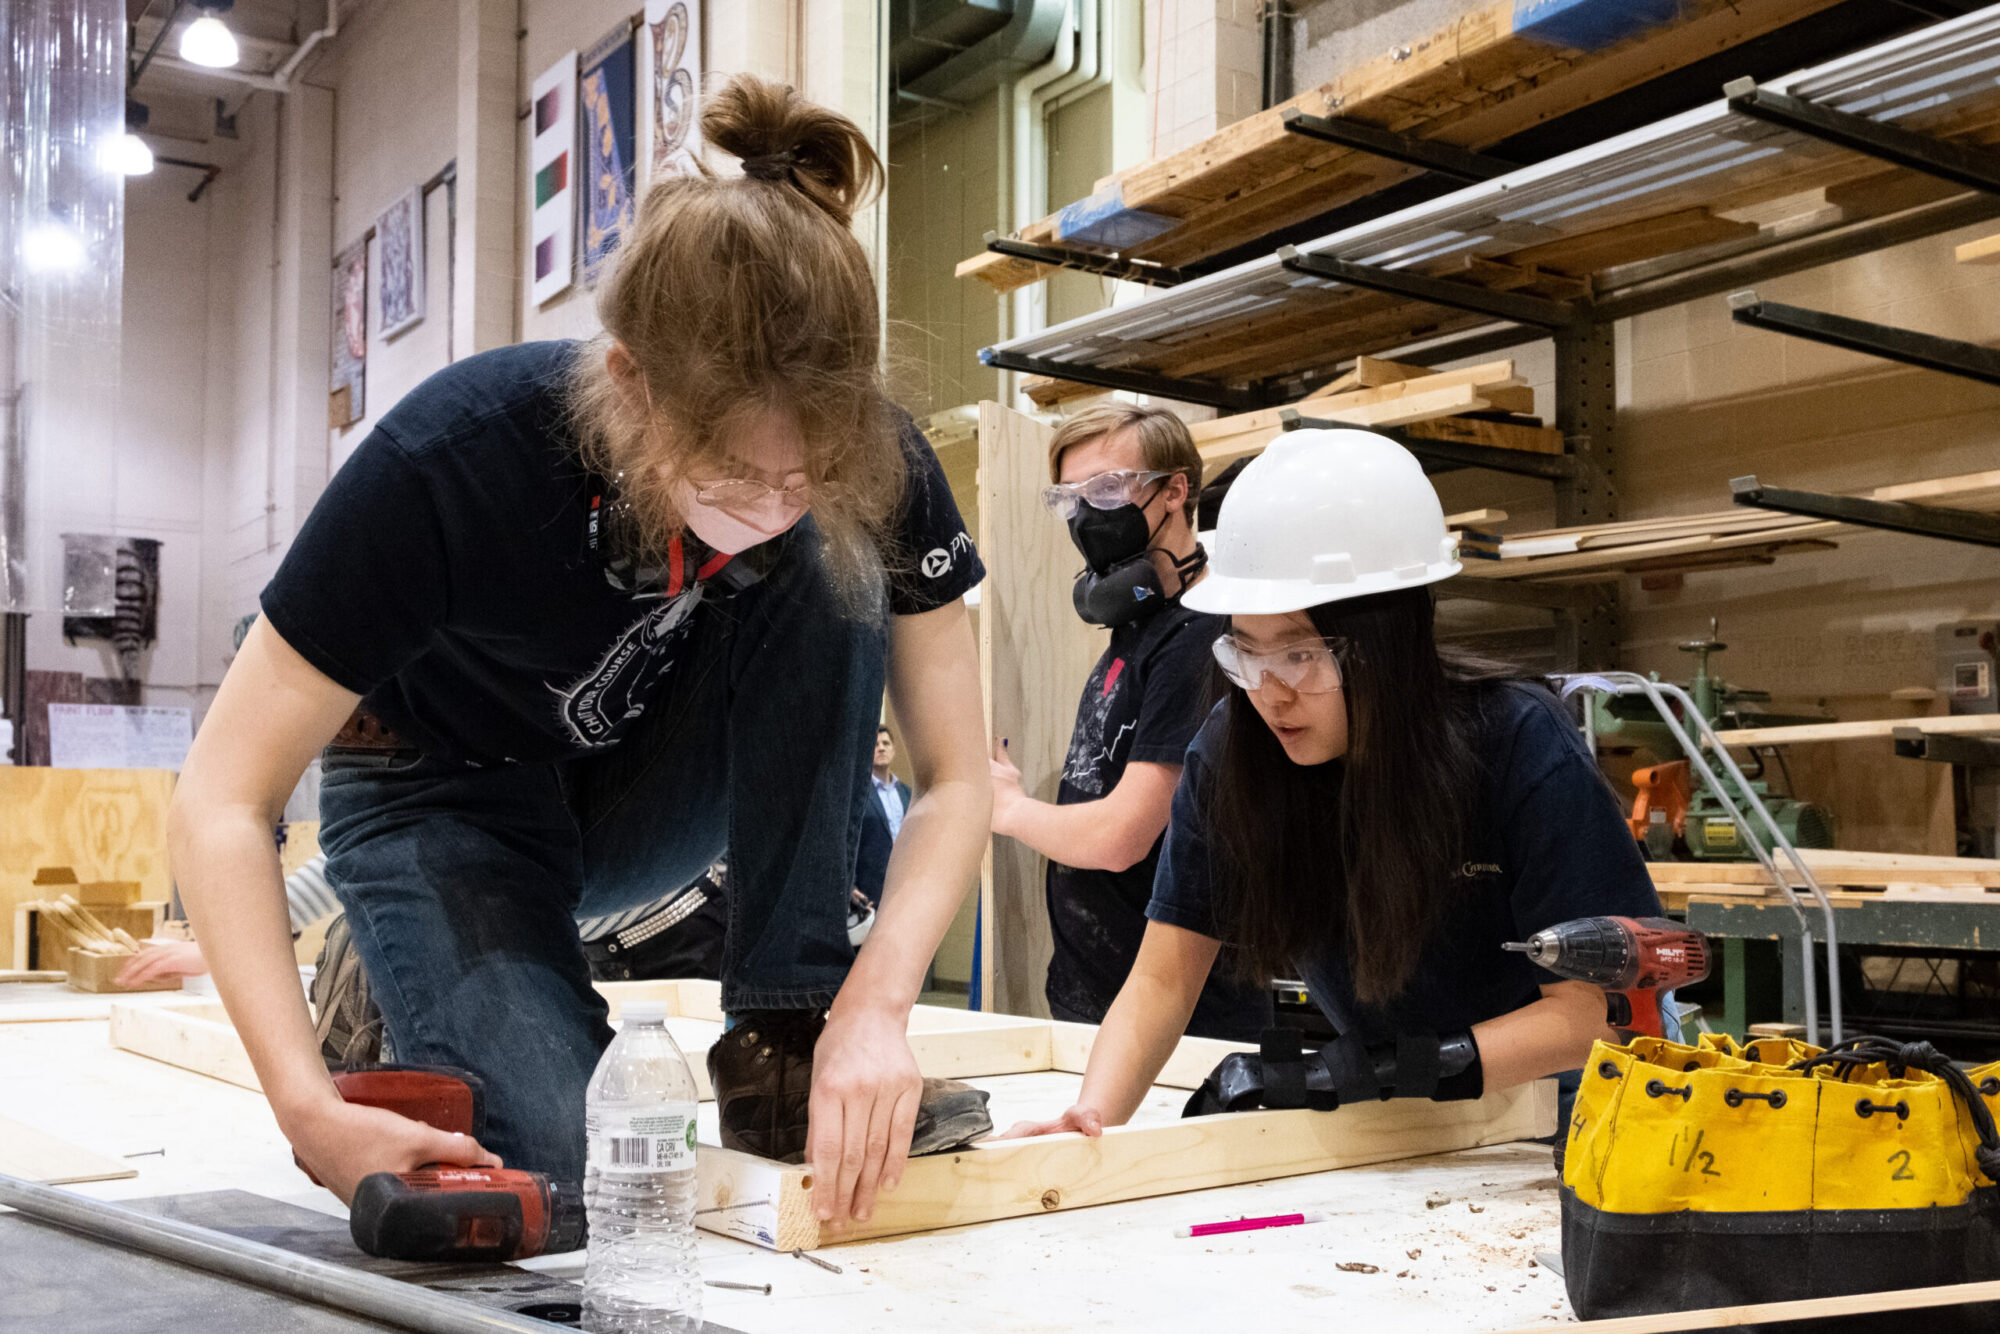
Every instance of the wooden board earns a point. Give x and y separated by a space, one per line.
36 1155
1034 657
99 973
51 938
1877 729
1986 250
194 1037
1014 1178
1783 1313
107 824
1839 867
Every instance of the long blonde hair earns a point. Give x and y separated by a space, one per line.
736 296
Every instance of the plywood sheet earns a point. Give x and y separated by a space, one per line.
1034 656
37 1155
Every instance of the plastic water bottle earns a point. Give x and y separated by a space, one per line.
639 1185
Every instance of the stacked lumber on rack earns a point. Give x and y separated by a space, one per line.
1492 73
1388 393
1847 877
1706 541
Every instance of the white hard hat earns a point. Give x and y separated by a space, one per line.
1321 516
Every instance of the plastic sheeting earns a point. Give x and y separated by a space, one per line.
62 244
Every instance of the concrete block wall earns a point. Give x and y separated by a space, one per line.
1204 63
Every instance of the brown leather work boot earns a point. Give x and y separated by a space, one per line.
761 1071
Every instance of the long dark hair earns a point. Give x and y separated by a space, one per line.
1360 853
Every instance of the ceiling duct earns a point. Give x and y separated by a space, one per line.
956 50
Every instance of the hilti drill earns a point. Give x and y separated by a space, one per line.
453 1213
1633 959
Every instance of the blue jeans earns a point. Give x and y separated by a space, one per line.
463 885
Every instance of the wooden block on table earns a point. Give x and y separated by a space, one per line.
42 939
99 972
36 1155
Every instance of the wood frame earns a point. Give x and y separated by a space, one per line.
1812 1308
996 1179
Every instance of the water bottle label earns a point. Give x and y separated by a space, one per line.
653 1139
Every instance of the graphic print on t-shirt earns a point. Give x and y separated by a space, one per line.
1090 754
597 705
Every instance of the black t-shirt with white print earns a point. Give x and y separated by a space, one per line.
446 575
1144 702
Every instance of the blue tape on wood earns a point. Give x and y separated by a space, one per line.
1589 25
1103 220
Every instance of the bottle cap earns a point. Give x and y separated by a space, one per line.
644 1012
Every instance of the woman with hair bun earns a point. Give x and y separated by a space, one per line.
576 620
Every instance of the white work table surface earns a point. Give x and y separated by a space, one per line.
1451 1238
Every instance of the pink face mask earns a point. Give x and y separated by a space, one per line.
736 525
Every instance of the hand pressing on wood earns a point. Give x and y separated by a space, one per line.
343 1142
178 958
1078 1120
863 1110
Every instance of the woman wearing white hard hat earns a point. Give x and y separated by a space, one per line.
1367 810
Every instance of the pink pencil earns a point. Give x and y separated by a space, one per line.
1248 1224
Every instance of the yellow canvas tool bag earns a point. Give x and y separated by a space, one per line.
1727 1174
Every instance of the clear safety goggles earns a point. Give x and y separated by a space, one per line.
1106 491
1307 666
740 494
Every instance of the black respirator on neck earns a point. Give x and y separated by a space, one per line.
1120 584
689 561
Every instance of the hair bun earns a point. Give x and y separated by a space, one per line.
782 138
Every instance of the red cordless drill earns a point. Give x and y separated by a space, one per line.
1633 959
452 1213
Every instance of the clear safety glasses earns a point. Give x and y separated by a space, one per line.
745 493
1307 666
1106 491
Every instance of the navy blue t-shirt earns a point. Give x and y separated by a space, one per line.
446 574
1548 844
1143 703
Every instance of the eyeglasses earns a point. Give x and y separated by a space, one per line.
746 493
1106 491
1307 666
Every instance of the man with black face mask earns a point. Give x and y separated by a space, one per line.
1124 479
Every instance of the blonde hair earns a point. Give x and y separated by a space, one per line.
1164 442
738 296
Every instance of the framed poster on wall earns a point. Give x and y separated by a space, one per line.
669 89
551 154
609 155
399 236
347 400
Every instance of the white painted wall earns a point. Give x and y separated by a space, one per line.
395 127
147 481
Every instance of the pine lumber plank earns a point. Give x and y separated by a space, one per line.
1523 436
1986 250
1376 372
999 1179
1836 866
99 973
1486 518
1813 1308
1034 655
1626 242
1874 729
195 1037
1643 554
1192 1061
1002 273
36 1155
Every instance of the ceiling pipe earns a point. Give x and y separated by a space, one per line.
279 80
1028 158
